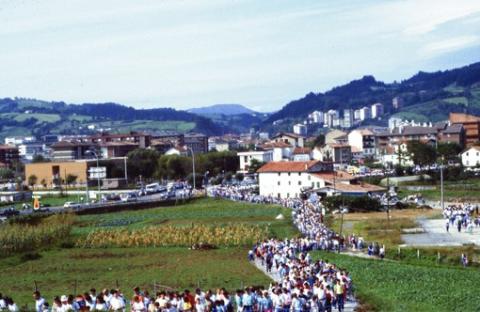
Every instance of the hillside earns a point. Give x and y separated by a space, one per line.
425 96
222 109
34 117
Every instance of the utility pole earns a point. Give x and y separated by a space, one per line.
442 203
193 166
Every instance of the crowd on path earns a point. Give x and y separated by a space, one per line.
461 217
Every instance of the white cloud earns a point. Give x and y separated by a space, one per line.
449 45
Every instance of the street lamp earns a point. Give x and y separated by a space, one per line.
90 152
193 166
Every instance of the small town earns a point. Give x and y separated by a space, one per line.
206 156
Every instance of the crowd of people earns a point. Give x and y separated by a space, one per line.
302 284
462 217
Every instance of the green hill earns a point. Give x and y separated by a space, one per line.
425 96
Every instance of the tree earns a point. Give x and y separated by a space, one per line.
71 179
142 162
32 180
449 150
421 154
6 173
255 165
319 141
39 159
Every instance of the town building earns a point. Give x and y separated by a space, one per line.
302 154
65 150
8 155
397 103
290 138
335 152
246 158
54 174
196 142
300 129
471 125
292 179
334 135
348 117
471 156
377 110
316 117
362 142
365 113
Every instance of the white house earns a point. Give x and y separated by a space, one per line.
362 141
291 179
300 129
286 179
246 158
290 138
365 113
471 157
377 110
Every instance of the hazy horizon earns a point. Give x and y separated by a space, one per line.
189 54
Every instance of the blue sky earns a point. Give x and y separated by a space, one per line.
190 53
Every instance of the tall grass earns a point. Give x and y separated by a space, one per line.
26 237
159 236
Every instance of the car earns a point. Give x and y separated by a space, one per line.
130 197
73 205
9 212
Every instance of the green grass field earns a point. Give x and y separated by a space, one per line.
204 211
397 286
57 271
407 285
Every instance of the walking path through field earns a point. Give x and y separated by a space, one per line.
435 234
350 303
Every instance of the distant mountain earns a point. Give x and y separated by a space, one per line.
222 109
21 116
425 96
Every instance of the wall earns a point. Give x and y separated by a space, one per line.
286 184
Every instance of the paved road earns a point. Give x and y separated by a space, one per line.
350 305
436 235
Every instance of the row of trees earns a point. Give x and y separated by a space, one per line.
149 164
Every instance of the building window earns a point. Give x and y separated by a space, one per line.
289 182
279 174
309 178
278 183
318 184
289 174
299 174
288 195
278 195
313 184
299 182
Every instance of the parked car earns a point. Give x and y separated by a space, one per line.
72 205
9 212
130 197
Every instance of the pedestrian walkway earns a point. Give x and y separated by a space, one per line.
436 235
350 305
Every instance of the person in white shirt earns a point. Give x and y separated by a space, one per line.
11 305
117 303
39 301
3 305
138 305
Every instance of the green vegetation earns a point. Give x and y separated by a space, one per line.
397 286
19 237
58 271
211 212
